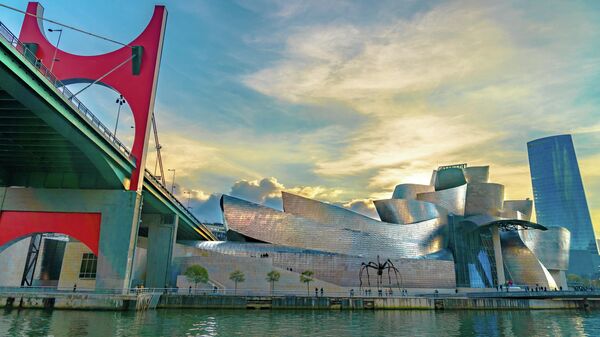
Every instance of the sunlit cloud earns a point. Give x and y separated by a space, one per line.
435 84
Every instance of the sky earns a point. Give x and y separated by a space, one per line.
342 100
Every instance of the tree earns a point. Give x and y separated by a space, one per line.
307 277
236 276
573 278
196 274
273 276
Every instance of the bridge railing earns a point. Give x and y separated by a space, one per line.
61 88
155 181
354 292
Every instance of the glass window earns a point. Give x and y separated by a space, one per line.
89 262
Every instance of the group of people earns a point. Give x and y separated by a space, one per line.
380 292
317 292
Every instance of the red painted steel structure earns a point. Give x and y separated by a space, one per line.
138 88
84 227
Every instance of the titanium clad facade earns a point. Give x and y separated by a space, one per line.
325 213
407 211
366 239
449 178
484 198
525 207
477 174
551 246
410 191
522 265
338 269
453 199
558 190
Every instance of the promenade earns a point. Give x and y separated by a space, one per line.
148 299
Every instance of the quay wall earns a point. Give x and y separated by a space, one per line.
147 301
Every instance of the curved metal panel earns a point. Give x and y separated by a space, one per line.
324 212
551 247
484 198
522 265
477 174
350 238
449 178
410 191
452 199
406 211
525 207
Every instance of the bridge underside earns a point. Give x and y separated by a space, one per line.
34 154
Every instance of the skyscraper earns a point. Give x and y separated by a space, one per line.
560 198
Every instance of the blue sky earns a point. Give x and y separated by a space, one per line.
342 100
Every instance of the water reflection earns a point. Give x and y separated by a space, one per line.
299 323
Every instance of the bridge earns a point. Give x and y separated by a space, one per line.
63 171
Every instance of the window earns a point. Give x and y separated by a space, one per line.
89 262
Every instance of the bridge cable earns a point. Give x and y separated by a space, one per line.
103 76
158 155
66 26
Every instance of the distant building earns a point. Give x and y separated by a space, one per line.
560 198
458 231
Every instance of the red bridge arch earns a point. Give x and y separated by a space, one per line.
84 227
136 84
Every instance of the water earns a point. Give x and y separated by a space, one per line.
299 323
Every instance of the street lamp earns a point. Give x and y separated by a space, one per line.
120 101
56 47
189 195
173 181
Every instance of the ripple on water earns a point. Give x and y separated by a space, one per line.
298 323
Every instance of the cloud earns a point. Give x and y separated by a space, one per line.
462 81
431 84
267 191
363 64
209 209
362 206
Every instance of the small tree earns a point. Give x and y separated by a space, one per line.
307 277
273 276
236 276
196 274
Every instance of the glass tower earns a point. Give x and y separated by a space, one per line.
558 191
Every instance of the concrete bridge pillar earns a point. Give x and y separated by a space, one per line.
119 221
162 232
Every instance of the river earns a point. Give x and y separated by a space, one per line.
202 322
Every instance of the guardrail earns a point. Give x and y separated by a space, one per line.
214 292
170 195
249 292
60 88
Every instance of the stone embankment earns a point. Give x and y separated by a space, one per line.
145 301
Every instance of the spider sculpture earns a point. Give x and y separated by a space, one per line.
379 268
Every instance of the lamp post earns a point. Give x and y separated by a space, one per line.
173 181
189 196
120 101
56 47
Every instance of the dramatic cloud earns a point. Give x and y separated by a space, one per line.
267 191
342 100
362 206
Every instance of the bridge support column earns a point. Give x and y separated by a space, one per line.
119 213
162 232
